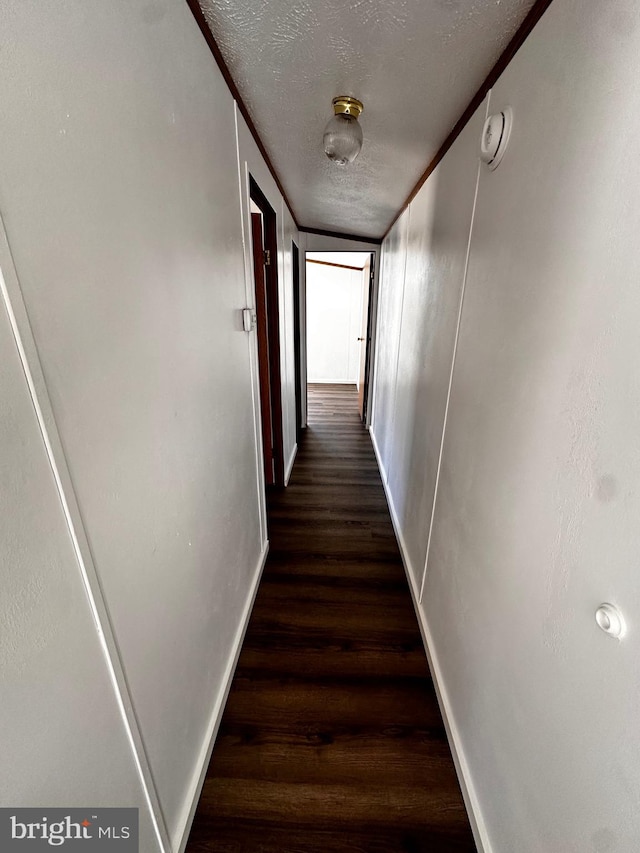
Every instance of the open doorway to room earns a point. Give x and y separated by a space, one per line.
265 269
339 289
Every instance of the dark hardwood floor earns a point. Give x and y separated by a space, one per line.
332 739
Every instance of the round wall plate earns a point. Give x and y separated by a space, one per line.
495 137
611 621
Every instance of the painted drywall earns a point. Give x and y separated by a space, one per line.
60 713
421 292
415 65
538 496
121 193
391 292
334 310
330 243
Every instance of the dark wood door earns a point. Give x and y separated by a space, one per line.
262 329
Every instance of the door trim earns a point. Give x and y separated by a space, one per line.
273 325
297 338
369 352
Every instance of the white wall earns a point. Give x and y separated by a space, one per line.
331 243
334 312
539 487
59 712
391 292
122 204
423 272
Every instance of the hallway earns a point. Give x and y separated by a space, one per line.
332 739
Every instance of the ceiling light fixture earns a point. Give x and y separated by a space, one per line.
343 135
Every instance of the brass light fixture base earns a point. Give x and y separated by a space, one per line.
344 105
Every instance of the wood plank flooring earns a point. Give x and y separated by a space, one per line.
332 740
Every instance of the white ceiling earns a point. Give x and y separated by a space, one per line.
415 64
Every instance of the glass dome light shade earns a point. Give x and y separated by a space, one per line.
342 139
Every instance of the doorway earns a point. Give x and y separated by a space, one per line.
340 296
265 270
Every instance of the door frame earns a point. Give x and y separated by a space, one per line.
300 387
372 314
270 246
369 351
262 333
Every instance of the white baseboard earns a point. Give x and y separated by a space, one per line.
292 459
467 787
184 828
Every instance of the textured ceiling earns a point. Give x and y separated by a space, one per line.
415 64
